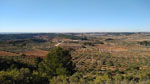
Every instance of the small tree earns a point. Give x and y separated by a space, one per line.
37 61
22 55
57 62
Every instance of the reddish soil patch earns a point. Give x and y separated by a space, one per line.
3 53
36 53
120 49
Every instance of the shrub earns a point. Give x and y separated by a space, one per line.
57 62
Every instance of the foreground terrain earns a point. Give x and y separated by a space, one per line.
109 58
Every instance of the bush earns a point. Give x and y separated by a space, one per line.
22 76
57 62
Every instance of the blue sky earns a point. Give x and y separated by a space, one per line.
74 15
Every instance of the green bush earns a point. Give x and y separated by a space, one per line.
57 62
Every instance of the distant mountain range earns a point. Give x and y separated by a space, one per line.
63 32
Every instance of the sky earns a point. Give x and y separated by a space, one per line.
74 15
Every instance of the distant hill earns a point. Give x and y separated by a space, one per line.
6 36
